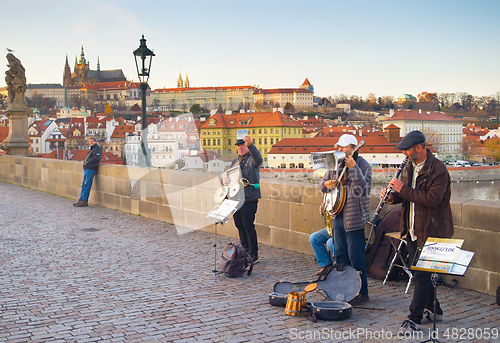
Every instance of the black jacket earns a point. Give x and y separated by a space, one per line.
93 158
250 170
431 196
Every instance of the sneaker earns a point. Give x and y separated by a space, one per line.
359 299
409 326
319 272
255 259
76 203
82 203
429 317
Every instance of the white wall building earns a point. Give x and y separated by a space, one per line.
445 133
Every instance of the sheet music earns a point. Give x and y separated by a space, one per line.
441 255
224 211
462 262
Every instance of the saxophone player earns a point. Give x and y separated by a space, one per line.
349 223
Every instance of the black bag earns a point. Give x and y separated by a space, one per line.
235 260
382 253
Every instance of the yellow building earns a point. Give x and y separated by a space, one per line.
218 133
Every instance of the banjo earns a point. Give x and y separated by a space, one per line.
334 201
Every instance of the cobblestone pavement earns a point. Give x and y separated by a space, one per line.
98 275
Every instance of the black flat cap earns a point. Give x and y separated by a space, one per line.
239 142
411 139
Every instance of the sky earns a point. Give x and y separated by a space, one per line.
351 47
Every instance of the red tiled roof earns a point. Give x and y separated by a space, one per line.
282 90
121 131
163 90
79 155
424 116
258 119
392 126
373 144
306 82
117 85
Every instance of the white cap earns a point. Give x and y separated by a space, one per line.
346 140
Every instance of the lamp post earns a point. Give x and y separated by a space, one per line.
143 57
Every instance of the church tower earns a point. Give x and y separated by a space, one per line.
81 69
307 85
186 82
67 73
179 81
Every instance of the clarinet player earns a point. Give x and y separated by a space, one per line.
424 192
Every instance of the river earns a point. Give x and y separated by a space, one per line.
482 190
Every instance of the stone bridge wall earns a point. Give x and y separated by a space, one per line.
287 213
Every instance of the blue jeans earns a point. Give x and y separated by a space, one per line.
320 241
88 178
350 249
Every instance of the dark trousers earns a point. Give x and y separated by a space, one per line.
244 220
423 294
349 248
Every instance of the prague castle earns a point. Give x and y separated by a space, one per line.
83 75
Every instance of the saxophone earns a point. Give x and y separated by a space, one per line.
329 216
329 222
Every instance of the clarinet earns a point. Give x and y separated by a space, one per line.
386 195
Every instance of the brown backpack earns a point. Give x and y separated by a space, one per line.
235 260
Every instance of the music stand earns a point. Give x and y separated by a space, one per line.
442 256
220 214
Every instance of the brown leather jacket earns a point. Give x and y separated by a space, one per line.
432 200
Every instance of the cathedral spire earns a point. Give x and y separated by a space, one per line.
186 82
179 81
98 64
82 56
67 73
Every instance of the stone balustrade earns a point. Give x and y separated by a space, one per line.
287 213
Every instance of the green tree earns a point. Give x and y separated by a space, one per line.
196 108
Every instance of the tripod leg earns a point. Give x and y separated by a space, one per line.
215 253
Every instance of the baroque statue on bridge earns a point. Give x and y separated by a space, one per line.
15 79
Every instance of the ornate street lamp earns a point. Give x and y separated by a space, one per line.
143 58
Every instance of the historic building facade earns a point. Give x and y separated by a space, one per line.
82 74
219 132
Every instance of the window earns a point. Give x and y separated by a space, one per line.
272 141
292 165
229 141
214 142
265 130
253 131
260 131
265 140
301 165
204 142
271 130
260 141
277 130
218 141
